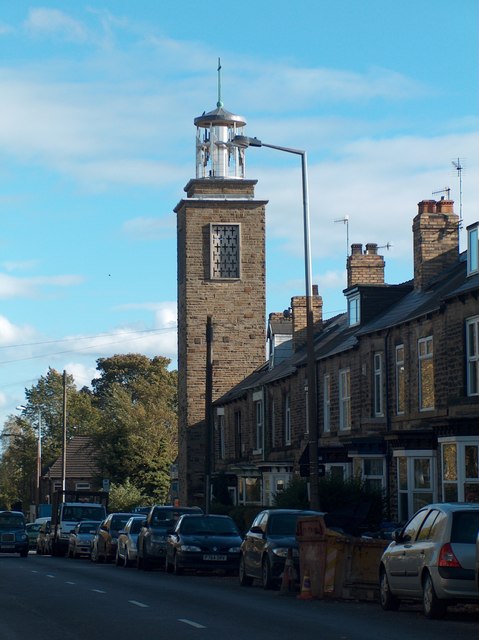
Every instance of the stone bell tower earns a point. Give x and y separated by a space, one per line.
221 280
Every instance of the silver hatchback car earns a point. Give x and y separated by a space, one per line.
432 559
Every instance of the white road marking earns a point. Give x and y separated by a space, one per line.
138 604
98 591
68 582
49 575
191 623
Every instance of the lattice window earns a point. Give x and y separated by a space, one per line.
225 251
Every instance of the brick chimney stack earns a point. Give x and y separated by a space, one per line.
436 240
299 309
365 268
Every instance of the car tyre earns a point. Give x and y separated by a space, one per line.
244 579
24 553
177 570
118 560
126 560
168 565
266 576
433 607
388 601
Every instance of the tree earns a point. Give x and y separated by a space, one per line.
137 437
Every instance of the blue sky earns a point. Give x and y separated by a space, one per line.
97 142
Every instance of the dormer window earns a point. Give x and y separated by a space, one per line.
473 249
354 310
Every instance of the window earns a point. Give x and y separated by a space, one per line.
249 490
472 249
287 420
221 435
371 470
344 400
273 422
82 486
460 469
426 374
224 251
238 443
354 310
400 382
326 403
472 349
378 384
415 479
259 426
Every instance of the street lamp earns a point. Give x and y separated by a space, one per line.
22 407
245 142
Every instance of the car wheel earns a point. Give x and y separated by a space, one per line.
24 553
126 560
177 570
388 601
266 577
433 607
244 579
118 560
168 565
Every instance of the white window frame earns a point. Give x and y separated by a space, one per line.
473 248
460 482
82 485
358 466
428 354
354 310
221 434
472 356
378 384
259 424
344 399
326 403
400 373
412 491
287 419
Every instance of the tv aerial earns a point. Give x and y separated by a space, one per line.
345 221
459 168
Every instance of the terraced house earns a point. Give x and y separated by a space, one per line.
397 381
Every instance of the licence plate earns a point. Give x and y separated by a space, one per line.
214 558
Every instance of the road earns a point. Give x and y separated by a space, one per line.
63 599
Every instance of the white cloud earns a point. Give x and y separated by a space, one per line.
51 22
14 334
150 228
12 287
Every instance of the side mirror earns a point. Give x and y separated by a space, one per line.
256 530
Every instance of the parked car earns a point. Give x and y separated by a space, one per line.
79 543
432 559
266 545
13 536
94 544
152 538
203 542
32 529
43 538
126 549
106 538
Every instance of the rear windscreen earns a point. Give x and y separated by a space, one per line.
465 527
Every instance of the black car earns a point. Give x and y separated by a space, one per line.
266 545
203 543
13 535
160 522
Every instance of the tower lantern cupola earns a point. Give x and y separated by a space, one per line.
216 157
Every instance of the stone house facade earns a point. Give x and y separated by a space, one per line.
397 375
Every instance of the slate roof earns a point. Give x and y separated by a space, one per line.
336 336
80 460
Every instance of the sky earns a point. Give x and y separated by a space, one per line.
97 142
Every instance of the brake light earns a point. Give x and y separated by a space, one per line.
447 557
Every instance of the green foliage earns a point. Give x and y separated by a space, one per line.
131 417
295 496
124 497
336 495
